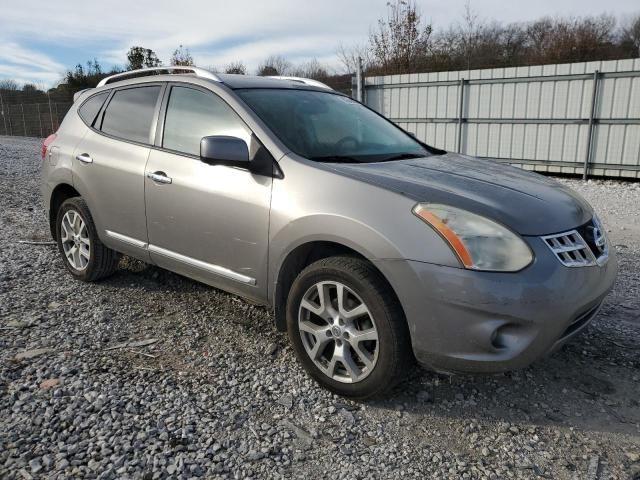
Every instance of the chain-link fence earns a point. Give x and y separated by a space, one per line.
31 114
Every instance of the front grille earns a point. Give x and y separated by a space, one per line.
585 246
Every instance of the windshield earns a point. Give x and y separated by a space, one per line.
331 128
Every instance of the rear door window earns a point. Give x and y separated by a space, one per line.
130 113
91 107
193 114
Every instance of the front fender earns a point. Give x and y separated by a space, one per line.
315 204
358 236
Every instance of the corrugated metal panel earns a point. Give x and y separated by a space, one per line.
533 116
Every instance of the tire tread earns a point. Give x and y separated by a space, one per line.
402 353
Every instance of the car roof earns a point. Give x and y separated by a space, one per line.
233 81
236 81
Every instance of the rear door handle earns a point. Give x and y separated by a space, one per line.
84 158
159 177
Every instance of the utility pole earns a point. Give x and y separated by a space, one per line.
359 82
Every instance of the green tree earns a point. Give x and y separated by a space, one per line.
140 57
29 88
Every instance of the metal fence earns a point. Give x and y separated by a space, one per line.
577 118
24 117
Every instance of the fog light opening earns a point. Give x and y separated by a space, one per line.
498 339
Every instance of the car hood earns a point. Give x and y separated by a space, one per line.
528 203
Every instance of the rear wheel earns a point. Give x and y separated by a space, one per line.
83 254
347 327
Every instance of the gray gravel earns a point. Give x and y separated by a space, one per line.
215 391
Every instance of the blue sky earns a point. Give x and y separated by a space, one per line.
41 39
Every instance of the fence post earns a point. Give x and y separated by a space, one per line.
50 113
4 118
24 124
460 114
55 105
592 119
9 116
359 90
39 120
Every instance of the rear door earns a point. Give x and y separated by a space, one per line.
209 222
109 165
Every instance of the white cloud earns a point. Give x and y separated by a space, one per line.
299 29
220 31
28 66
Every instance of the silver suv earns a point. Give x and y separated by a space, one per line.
373 248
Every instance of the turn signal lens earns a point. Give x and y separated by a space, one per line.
479 243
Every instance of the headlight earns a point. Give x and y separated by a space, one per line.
479 243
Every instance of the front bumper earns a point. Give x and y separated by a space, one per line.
464 321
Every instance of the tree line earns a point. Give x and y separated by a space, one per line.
403 42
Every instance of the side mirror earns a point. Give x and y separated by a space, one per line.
223 150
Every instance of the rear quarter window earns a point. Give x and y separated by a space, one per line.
90 108
130 113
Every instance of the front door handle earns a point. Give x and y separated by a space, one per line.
159 177
84 158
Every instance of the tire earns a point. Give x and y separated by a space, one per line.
101 261
375 366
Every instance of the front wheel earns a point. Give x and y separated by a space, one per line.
347 327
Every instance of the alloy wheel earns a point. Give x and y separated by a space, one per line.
338 332
75 240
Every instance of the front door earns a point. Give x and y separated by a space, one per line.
209 222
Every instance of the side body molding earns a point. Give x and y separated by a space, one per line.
193 262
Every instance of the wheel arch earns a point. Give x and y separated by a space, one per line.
62 192
304 255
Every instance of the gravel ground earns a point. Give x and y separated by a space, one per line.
211 390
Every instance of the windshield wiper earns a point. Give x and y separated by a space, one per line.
402 156
335 159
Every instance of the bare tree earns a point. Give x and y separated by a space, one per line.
630 36
8 85
236 67
400 38
470 32
348 57
572 39
274 65
311 69
181 57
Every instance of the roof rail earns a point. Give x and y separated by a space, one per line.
306 81
198 72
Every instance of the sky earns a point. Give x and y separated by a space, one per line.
41 39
